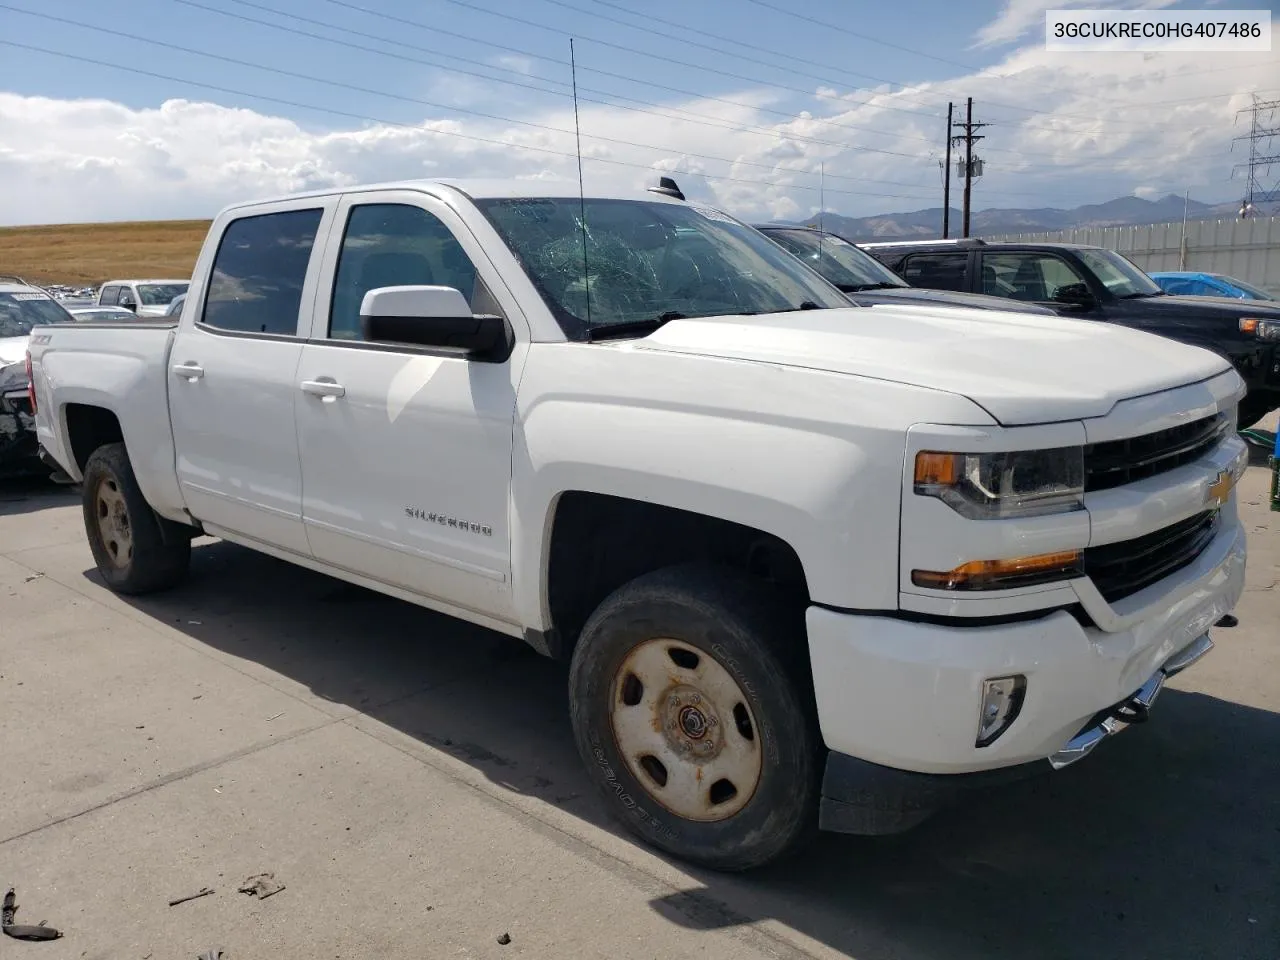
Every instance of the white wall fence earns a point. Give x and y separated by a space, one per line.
1247 249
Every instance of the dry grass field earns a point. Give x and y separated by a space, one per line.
91 253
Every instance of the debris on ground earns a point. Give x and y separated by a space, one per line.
203 892
34 576
504 939
214 954
276 717
18 931
261 885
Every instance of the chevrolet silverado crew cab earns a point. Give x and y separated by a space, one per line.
1094 283
813 565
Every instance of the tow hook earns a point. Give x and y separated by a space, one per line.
1132 710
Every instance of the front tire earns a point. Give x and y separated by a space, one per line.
692 709
132 554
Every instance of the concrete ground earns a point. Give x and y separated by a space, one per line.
413 784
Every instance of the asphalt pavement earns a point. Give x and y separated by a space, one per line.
411 782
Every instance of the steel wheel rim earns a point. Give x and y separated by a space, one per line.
114 528
685 730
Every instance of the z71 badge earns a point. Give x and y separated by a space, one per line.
417 513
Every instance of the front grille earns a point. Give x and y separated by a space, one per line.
1114 463
1121 569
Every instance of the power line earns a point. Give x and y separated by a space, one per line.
969 138
827 25
428 103
604 73
1254 191
418 127
664 112
678 37
683 63
680 113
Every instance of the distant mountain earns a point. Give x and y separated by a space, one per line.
927 224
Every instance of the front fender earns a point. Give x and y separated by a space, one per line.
810 457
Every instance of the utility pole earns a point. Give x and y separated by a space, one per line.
946 180
969 138
1260 158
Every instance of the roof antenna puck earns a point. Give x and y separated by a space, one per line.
668 188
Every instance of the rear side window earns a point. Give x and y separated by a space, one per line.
937 271
110 296
258 273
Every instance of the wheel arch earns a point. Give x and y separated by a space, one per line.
594 542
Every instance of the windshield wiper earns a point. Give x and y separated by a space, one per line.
860 287
804 305
628 328
1141 295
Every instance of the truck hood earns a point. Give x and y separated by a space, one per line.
1021 368
1225 307
952 298
13 350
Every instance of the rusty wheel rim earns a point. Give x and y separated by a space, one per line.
114 528
685 730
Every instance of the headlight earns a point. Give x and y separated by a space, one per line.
994 486
1262 329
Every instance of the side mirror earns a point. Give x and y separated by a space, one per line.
1074 295
433 317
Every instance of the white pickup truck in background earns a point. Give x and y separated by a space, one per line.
814 565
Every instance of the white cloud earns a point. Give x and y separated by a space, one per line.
1020 17
76 160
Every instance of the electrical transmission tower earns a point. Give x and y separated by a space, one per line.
970 166
1261 156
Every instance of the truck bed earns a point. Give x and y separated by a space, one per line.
120 367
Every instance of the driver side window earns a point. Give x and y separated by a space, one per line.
1026 276
393 245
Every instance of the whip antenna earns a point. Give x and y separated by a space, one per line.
582 200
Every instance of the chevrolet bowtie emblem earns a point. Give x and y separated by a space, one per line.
1220 489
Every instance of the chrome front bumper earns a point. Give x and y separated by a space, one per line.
1131 711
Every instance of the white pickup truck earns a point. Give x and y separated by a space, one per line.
815 566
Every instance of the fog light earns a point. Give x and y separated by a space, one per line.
1001 701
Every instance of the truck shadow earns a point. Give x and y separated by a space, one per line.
30 494
1164 844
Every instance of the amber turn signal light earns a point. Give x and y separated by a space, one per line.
937 469
1003 574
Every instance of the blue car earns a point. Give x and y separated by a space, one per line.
1193 284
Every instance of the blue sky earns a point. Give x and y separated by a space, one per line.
741 91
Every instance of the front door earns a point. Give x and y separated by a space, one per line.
232 378
406 452
1034 276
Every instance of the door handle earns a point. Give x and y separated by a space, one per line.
326 388
190 370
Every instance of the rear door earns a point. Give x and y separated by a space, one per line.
406 452
232 375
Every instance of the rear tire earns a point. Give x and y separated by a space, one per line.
132 553
692 708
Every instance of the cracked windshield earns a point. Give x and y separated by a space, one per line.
649 260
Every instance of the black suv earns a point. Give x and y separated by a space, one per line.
1094 283
865 280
